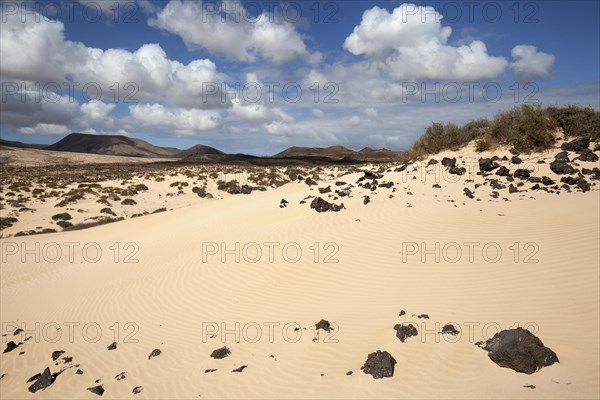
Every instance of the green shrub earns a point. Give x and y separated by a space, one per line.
526 128
577 121
482 145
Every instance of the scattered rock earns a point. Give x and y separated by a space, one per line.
522 173
240 369
323 324
449 162
220 353
529 386
310 182
423 316
520 350
503 171
457 170
379 364
469 193
57 354
576 145
516 160
79 372
42 381
321 205
402 312
487 165
449 329
10 346
155 353
366 200
587 155
137 390
403 332
246 189
112 346
207 371
99 390
283 203
128 202
349 372
325 190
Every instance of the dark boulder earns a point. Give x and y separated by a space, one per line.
366 200
520 350
403 332
321 205
522 173
449 330
457 170
10 346
325 190
449 162
547 181
503 171
469 193
310 182
516 160
155 353
246 189
42 381
576 145
99 390
587 155
561 168
220 353
323 324
487 165
379 364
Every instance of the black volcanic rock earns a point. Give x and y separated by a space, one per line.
487 165
522 173
321 205
562 168
403 332
457 170
57 354
449 162
587 155
576 145
503 171
10 346
323 324
449 330
516 160
112 346
379 364
220 353
468 193
325 190
520 350
310 182
240 369
42 381
99 390
155 353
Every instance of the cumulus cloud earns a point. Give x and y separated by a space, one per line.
182 121
45 129
97 110
531 64
278 128
411 42
36 50
236 37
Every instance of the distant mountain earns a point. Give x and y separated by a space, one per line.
198 149
334 152
340 153
114 145
10 143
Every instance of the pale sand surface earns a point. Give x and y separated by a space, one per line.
171 293
30 157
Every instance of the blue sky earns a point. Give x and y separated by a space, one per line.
214 72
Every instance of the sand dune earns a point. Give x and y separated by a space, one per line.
371 263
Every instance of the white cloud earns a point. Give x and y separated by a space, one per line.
200 26
318 113
97 110
355 120
181 121
411 42
45 129
531 64
279 128
371 112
